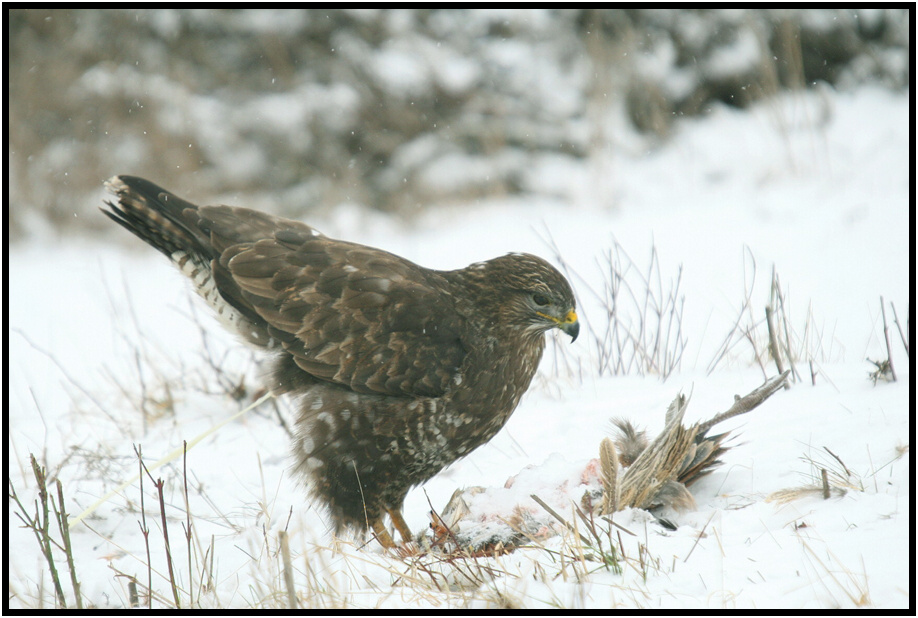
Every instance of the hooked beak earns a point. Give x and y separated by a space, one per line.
570 325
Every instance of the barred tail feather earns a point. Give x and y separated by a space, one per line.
171 225
157 217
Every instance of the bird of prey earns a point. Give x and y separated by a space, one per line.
398 370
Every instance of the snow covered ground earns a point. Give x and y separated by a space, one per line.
815 185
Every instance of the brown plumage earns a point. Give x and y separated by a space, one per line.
399 369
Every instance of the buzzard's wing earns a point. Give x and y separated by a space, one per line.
349 314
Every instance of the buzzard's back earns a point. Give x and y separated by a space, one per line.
355 316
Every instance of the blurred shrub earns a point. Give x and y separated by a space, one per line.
395 109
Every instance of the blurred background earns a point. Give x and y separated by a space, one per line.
298 111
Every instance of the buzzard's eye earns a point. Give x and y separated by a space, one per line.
540 299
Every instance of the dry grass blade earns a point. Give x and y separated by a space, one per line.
555 514
892 369
169 457
288 570
698 537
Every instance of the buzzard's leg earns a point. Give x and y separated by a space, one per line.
382 535
396 516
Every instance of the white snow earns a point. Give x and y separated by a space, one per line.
814 184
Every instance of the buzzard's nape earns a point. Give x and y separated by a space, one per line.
397 370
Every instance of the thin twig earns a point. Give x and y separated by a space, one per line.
159 484
892 369
902 335
68 548
69 378
45 539
188 520
773 339
779 297
138 450
730 339
838 459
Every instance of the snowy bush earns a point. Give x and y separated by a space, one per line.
399 109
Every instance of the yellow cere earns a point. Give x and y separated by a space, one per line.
570 318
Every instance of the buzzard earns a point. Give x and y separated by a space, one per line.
398 369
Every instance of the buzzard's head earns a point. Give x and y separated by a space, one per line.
530 294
